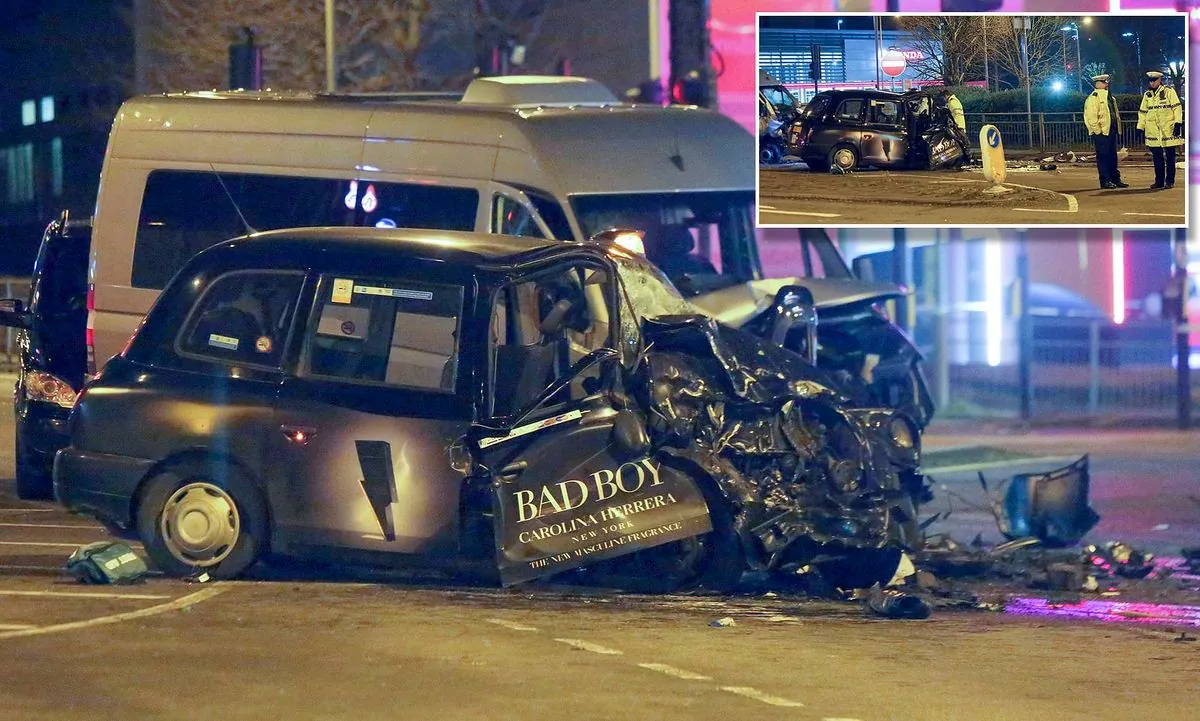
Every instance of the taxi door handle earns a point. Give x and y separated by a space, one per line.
512 470
299 435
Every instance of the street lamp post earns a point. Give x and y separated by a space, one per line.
1137 42
1078 52
330 64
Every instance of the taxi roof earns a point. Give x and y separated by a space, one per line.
307 247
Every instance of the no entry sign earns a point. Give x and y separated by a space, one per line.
893 63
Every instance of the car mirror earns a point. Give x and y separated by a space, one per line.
13 313
794 307
629 434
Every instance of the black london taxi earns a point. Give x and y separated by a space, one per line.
49 325
849 129
454 397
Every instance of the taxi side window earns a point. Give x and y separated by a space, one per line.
243 317
539 327
849 110
398 333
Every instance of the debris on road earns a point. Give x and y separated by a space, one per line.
723 622
1052 507
106 562
891 603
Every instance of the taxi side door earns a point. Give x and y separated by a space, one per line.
572 481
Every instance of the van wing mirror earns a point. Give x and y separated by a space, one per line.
13 314
795 308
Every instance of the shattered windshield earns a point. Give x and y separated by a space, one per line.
650 293
703 241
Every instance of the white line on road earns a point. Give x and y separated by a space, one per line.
32 543
189 600
800 212
26 510
766 207
589 646
676 672
1072 202
831 718
50 525
1160 215
512 625
85 594
15 626
757 695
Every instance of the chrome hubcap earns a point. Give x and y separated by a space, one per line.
843 158
200 524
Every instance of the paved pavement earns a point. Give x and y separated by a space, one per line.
1071 195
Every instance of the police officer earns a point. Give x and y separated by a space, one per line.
955 107
1161 119
1104 126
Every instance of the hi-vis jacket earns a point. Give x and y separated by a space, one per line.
955 106
1159 112
1098 113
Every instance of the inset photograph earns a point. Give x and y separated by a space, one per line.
972 120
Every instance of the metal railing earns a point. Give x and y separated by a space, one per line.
1079 367
1050 131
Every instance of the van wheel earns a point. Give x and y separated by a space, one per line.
33 483
844 157
191 523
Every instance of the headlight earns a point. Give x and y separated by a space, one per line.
902 433
49 388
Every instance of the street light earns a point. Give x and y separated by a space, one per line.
1137 40
1057 86
1078 52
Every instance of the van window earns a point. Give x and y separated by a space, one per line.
399 333
243 317
184 212
510 217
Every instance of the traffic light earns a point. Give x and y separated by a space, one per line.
814 66
648 92
691 89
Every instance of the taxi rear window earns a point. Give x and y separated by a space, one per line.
397 333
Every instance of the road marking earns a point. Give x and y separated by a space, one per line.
588 646
800 212
49 525
766 207
676 672
757 695
510 624
85 594
26 510
189 600
15 627
33 543
1160 215
832 718
1072 202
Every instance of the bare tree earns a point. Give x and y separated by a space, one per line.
1045 46
950 43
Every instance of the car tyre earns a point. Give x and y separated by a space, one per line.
192 523
33 483
842 156
769 154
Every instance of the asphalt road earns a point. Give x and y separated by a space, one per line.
793 195
291 643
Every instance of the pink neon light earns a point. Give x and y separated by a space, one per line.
1118 276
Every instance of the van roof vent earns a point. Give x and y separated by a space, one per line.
538 90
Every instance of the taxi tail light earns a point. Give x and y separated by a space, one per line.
49 388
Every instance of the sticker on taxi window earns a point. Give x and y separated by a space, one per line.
263 344
343 290
222 341
394 292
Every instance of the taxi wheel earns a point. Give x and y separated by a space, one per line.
844 157
191 523
769 154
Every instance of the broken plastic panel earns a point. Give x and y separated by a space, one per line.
1052 507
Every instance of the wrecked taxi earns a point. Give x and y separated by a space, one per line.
524 406
848 129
